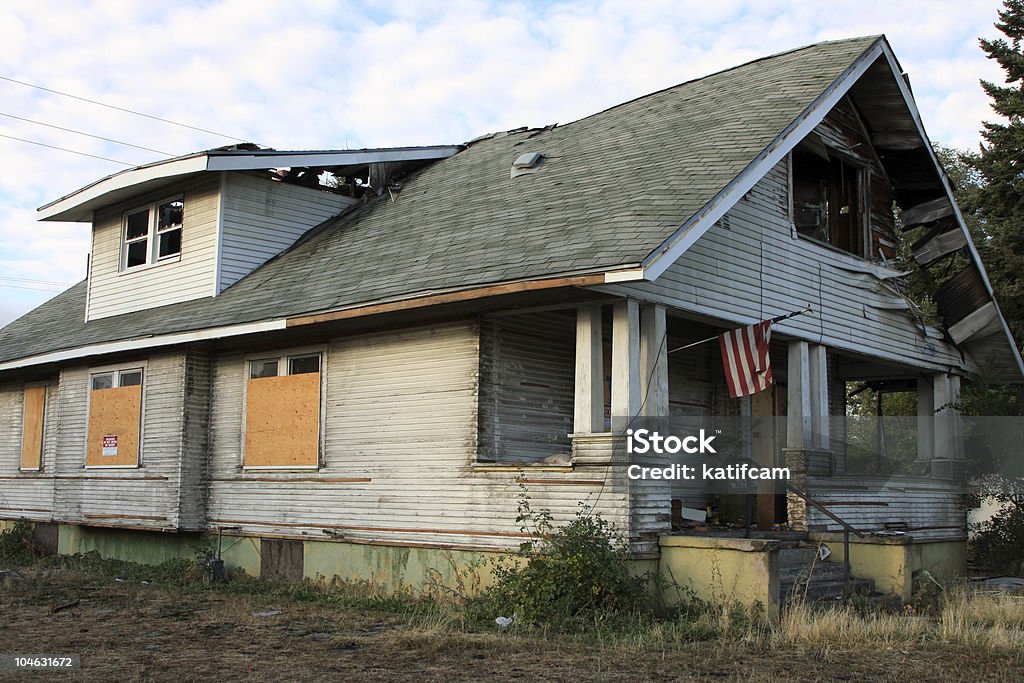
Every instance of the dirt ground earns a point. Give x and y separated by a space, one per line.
134 631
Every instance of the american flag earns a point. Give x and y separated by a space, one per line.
748 369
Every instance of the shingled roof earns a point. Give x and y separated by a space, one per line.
614 186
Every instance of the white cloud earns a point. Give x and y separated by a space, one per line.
323 73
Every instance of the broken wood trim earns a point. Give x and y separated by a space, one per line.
369 541
109 478
326 480
521 467
346 527
148 518
447 298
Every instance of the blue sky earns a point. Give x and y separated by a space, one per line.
316 74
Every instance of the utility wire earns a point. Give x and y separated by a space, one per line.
128 111
88 135
35 282
34 289
65 149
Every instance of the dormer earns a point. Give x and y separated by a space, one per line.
190 227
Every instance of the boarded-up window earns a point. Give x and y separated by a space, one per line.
115 418
282 413
33 414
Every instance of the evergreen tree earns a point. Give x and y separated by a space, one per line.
998 200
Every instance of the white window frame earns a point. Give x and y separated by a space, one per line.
152 236
117 371
283 357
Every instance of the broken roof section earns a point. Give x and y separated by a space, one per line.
79 205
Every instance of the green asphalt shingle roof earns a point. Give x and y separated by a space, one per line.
613 188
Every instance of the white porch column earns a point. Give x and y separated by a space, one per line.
798 397
653 361
925 420
818 380
588 416
942 437
625 363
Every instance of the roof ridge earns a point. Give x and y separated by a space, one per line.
873 38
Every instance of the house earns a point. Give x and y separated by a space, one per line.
344 363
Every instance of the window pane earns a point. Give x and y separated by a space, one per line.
170 214
131 378
137 224
299 366
263 368
104 381
137 253
169 243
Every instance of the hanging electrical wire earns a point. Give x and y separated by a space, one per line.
88 135
127 111
65 149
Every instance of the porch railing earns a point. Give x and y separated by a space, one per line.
847 527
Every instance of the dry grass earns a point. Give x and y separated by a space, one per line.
131 631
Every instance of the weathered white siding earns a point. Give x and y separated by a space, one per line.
26 495
756 268
112 292
399 452
145 497
262 218
931 509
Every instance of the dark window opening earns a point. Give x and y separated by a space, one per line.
827 200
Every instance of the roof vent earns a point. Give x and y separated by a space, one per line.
527 163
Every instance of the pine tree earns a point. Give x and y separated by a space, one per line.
998 203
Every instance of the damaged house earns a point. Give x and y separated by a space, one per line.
352 378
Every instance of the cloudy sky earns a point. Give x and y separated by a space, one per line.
316 74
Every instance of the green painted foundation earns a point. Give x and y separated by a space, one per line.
144 547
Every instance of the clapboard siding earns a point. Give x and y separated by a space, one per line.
262 218
112 292
195 434
399 461
931 509
756 268
27 495
527 380
145 497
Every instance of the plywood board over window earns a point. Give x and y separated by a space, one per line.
32 428
114 420
282 421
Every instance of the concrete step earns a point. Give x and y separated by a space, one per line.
819 571
824 591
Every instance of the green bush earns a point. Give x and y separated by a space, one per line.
566 578
997 543
17 545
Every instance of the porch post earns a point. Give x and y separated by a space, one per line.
798 396
798 429
941 439
925 420
653 361
588 416
625 363
818 380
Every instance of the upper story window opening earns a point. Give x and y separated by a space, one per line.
828 199
152 233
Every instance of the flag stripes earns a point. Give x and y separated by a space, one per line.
748 368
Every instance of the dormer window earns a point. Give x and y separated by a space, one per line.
152 233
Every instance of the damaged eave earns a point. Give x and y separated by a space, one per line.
79 205
939 208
